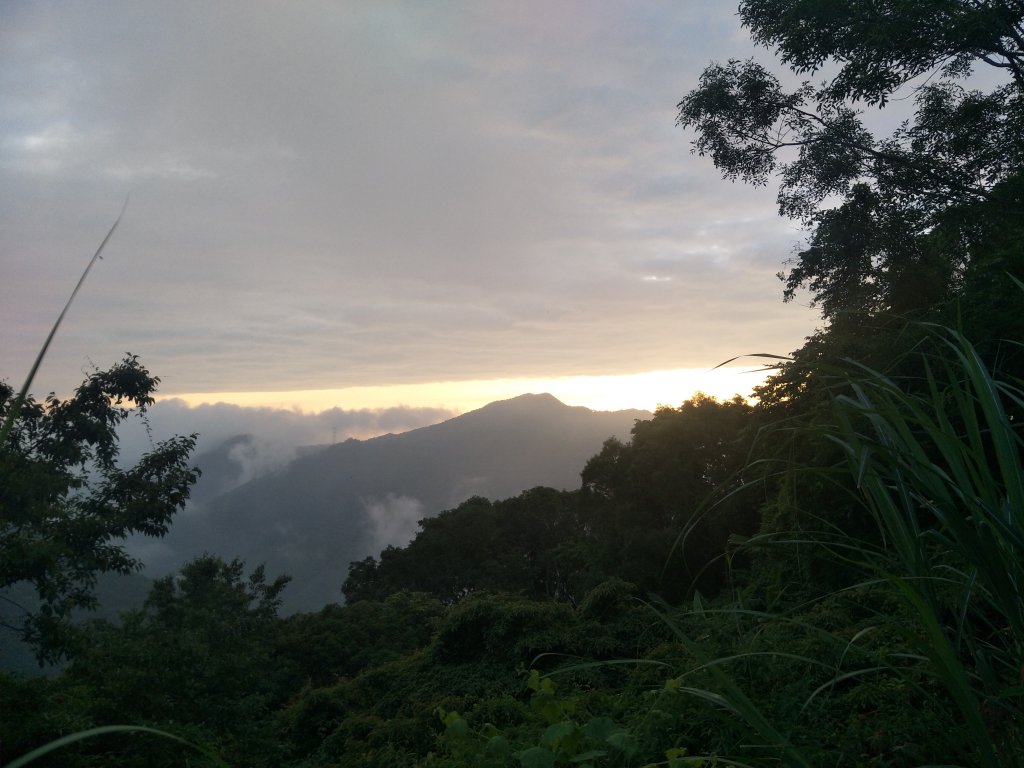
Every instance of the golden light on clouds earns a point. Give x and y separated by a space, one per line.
601 393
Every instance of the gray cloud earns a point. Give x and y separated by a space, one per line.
344 194
276 434
392 521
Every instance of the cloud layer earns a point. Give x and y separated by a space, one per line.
342 194
274 435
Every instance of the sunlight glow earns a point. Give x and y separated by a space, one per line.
645 391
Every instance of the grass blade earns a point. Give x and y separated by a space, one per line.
15 409
102 730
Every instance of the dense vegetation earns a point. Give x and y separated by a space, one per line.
832 576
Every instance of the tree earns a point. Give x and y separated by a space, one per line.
197 658
883 210
513 545
343 640
66 505
670 497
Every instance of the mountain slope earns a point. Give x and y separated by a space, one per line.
349 500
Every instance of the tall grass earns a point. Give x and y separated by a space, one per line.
936 463
940 472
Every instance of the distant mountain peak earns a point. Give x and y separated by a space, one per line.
536 397
545 402
329 507
531 399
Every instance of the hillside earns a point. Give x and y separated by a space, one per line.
344 502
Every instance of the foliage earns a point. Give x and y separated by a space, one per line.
66 503
877 668
641 515
563 740
342 641
198 653
942 475
47 710
663 507
925 223
961 143
510 545
937 468
898 238
474 665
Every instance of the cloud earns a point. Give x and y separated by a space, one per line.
274 435
374 193
393 520
271 438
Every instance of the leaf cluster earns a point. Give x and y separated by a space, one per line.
66 503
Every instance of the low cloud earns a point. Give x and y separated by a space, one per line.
274 436
255 457
392 520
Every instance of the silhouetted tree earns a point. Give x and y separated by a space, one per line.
65 503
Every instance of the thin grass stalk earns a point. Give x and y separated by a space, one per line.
104 730
736 701
19 400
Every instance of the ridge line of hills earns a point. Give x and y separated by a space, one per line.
345 501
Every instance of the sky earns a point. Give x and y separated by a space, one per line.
370 206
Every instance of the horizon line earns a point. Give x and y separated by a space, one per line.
644 391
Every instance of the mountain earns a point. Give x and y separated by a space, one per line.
346 501
222 469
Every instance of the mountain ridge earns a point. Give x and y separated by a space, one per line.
349 500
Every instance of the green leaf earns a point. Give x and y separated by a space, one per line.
588 755
498 747
599 728
537 757
455 726
534 682
562 737
623 742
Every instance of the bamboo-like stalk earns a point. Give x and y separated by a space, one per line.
19 400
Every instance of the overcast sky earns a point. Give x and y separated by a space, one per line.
340 194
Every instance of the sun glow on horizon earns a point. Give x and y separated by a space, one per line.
644 391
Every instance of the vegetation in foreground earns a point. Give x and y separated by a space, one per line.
830 577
